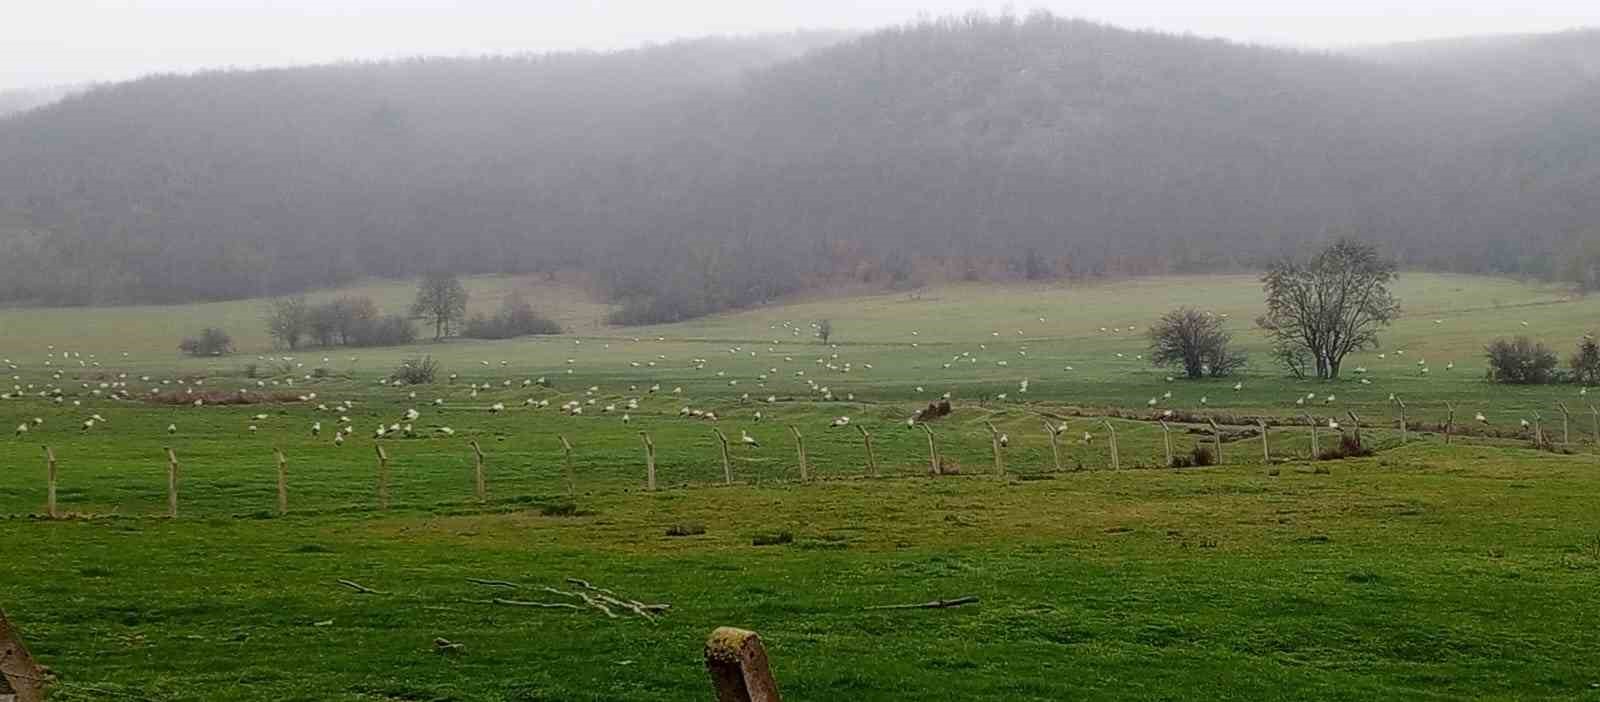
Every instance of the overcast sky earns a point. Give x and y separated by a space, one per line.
46 42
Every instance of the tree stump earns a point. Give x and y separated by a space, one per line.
738 666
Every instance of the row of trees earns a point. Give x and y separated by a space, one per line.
441 302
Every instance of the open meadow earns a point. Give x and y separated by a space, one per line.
1427 570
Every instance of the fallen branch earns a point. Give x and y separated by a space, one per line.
637 607
519 603
592 602
936 604
358 587
494 583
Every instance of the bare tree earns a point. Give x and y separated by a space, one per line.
1195 340
825 330
288 320
441 299
1321 310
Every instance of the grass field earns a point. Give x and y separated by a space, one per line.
1425 571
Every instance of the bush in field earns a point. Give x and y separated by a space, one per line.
416 371
211 342
515 318
1196 341
1520 361
392 330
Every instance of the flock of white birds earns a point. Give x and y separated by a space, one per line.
177 390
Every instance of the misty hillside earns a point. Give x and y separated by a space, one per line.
704 175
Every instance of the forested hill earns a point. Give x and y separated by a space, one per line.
707 174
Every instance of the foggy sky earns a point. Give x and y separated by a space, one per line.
72 41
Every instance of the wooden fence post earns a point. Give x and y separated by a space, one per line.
172 484
1266 451
800 449
1593 411
50 483
727 466
1055 448
1538 430
872 459
738 666
1401 406
383 478
994 442
1166 440
1449 421
649 460
20 677
1315 450
934 467
1355 421
1116 460
566 466
1566 434
1216 438
479 488
283 481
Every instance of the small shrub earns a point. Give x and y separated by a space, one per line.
1202 456
211 342
1520 361
776 538
686 530
416 371
1348 447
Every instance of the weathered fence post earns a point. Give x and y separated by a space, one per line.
872 459
1355 421
1315 450
1216 438
479 489
566 465
172 484
1166 440
994 442
50 483
649 460
800 449
383 478
933 451
1401 406
738 666
1266 451
1593 411
1116 460
283 481
21 679
1538 430
1449 421
1566 434
1055 448
727 465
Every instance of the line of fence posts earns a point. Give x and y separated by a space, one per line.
935 464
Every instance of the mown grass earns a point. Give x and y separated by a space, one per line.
1424 571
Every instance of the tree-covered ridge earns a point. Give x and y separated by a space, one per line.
699 176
